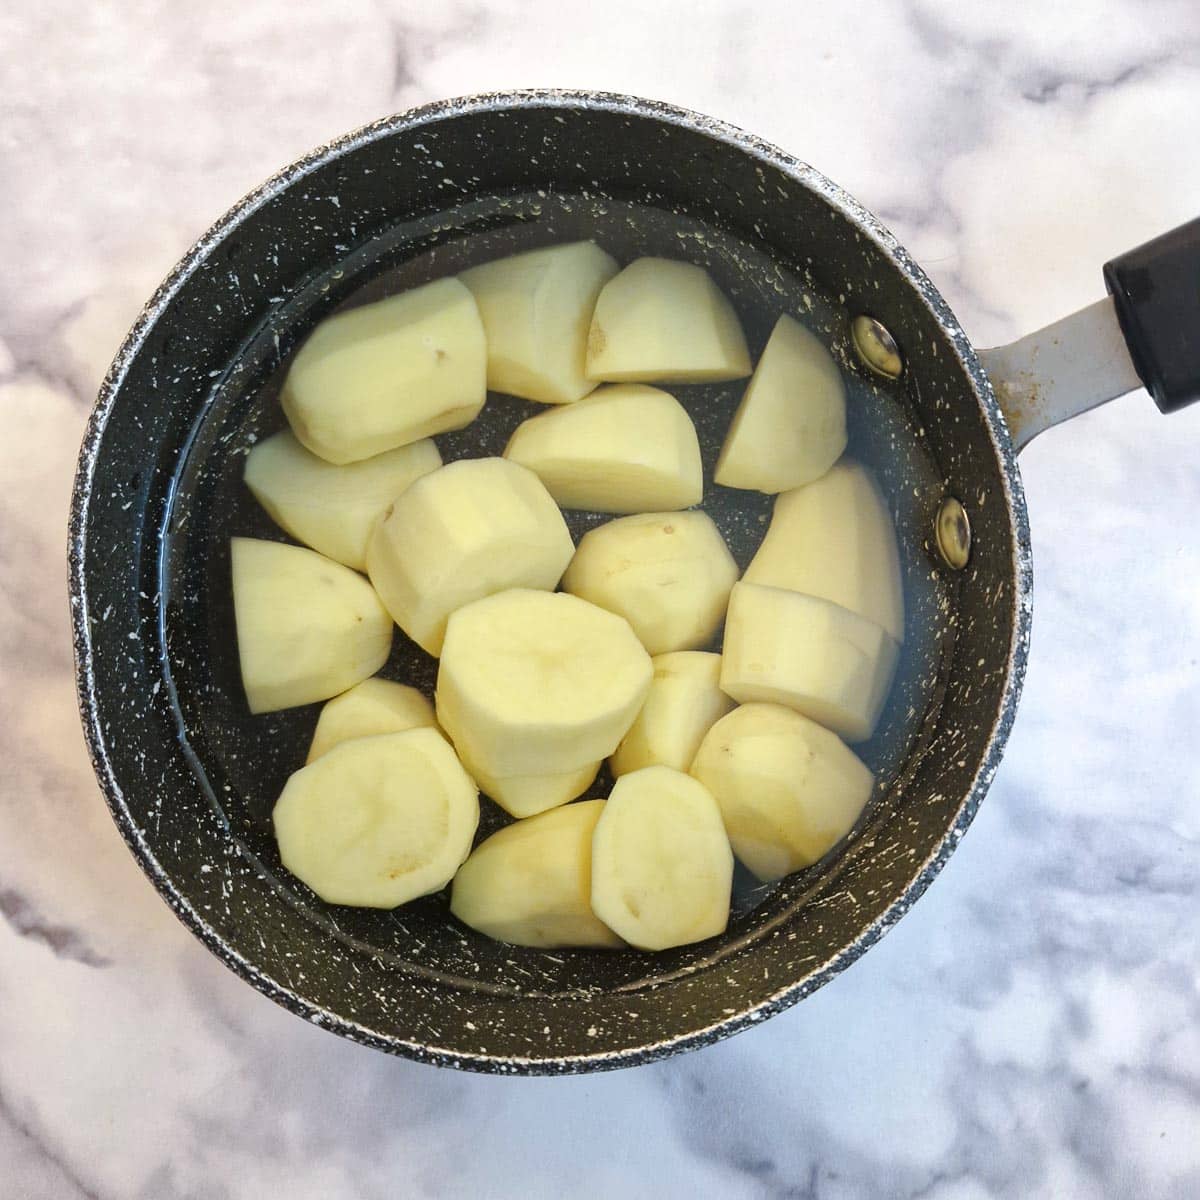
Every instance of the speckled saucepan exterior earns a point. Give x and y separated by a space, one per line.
190 776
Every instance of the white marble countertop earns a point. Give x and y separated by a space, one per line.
1032 1028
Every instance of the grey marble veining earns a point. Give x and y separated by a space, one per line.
1032 1028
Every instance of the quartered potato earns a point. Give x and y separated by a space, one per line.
471 528
622 449
531 883
332 509
371 707
661 864
307 627
667 574
789 790
834 538
528 795
538 683
662 321
684 701
537 309
389 373
379 820
790 427
808 654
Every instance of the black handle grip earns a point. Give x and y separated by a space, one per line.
1156 292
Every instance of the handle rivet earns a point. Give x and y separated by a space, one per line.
876 346
952 533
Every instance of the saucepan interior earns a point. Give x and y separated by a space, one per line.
191 776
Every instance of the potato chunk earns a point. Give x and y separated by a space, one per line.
307 627
467 530
663 321
537 309
790 427
389 373
332 509
661 863
803 652
684 701
371 707
379 820
667 574
789 790
528 795
538 683
834 538
531 883
622 450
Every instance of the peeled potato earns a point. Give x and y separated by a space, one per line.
307 627
531 883
538 683
803 652
621 449
667 574
528 795
379 820
537 309
471 528
684 701
790 427
389 373
332 509
834 538
661 863
371 707
662 321
789 790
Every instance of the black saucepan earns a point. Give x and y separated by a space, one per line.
191 777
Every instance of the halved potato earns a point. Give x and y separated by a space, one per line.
531 883
808 654
663 321
332 509
667 574
538 683
389 373
379 820
537 309
622 449
790 427
789 790
661 863
684 701
528 795
471 528
371 707
834 538
307 627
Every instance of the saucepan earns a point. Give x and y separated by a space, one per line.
190 775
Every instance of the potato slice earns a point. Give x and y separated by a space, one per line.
474 527
663 321
389 373
379 820
531 883
537 309
528 795
371 707
684 701
539 683
307 627
789 790
667 574
661 864
790 427
622 450
808 654
332 509
834 538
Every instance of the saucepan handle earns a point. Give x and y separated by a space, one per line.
1146 334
